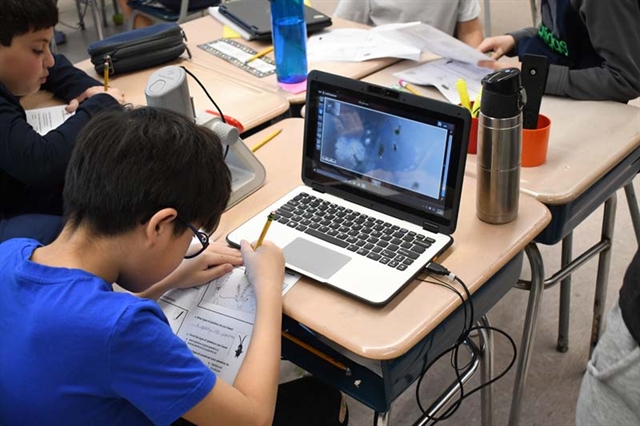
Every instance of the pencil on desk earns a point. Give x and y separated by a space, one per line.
260 54
314 351
409 87
265 140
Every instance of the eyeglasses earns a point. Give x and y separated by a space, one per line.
202 237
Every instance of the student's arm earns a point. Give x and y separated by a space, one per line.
217 260
66 81
252 398
470 32
615 35
40 160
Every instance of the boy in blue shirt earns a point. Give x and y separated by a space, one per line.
32 166
139 185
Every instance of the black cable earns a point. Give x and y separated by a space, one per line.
206 93
226 150
437 269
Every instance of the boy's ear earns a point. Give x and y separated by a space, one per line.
160 225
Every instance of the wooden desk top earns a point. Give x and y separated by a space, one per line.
207 28
390 331
245 102
587 140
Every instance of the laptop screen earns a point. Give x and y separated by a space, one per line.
376 145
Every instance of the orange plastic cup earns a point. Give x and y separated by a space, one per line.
535 143
472 148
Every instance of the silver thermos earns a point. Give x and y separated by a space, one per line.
499 146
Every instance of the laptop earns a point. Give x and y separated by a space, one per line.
254 16
382 173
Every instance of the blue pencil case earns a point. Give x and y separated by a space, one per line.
137 49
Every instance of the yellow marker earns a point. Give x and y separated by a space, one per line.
259 54
461 85
475 109
107 61
264 230
315 351
265 140
409 87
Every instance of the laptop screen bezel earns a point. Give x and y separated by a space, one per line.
318 81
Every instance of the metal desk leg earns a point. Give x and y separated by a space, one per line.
633 209
381 419
604 261
487 18
486 371
528 334
534 12
565 296
96 18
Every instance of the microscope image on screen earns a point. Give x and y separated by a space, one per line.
388 150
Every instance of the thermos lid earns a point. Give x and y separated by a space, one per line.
502 94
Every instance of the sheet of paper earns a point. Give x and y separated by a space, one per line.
443 74
430 39
45 119
216 319
356 45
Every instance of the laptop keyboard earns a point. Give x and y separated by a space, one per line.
367 236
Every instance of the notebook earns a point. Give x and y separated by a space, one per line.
255 17
382 173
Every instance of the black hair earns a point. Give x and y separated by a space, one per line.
18 17
129 163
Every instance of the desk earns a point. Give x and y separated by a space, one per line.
594 150
397 336
249 104
208 29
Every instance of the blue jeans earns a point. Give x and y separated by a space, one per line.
41 227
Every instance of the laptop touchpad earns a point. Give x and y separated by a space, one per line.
314 258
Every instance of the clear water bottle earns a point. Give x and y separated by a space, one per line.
499 146
289 32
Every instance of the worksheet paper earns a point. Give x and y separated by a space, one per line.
216 319
443 75
357 45
45 119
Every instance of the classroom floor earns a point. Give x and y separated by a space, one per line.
554 378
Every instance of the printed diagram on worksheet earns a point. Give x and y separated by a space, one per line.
216 319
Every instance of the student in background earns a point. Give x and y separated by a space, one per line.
32 166
610 394
140 184
592 45
458 18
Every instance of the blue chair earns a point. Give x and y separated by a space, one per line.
167 10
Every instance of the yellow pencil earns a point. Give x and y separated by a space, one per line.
107 61
265 140
409 87
260 54
264 230
461 85
315 351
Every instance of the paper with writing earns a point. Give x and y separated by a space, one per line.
216 319
44 120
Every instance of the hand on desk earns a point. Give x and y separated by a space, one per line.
265 268
499 45
91 91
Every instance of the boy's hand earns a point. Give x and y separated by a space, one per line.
499 65
217 260
499 45
115 93
265 268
